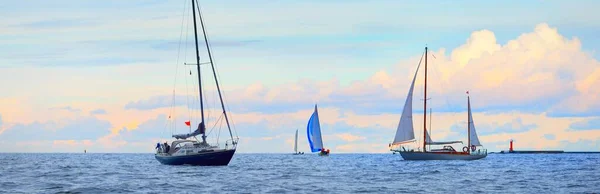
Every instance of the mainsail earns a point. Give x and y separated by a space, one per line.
472 133
198 131
405 132
313 132
296 142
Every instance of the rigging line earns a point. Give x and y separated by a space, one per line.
196 103
166 123
447 101
227 104
187 94
216 70
173 111
219 131
216 75
232 122
420 61
213 69
201 82
228 109
214 125
204 98
198 68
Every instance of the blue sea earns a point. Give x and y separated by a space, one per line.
309 173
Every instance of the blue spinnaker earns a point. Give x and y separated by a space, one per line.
313 132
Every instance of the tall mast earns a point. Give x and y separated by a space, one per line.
469 122
198 66
214 74
425 107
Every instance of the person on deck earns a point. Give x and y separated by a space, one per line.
166 147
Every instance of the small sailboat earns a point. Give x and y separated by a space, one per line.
186 148
296 144
405 133
313 133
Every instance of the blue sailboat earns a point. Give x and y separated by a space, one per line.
313 133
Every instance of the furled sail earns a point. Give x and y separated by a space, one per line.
431 142
313 132
473 134
198 131
405 132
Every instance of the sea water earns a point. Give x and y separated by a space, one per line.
309 173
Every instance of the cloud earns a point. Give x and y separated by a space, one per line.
514 126
501 77
76 129
53 23
66 108
70 143
588 124
582 145
361 148
151 129
2 128
155 102
98 112
586 100
517 87
349 137
517 74
550 137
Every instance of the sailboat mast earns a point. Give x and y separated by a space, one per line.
214 74
425 107
198 66
469 123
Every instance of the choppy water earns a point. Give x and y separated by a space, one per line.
286 173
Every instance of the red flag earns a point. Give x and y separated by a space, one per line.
187 123
467 92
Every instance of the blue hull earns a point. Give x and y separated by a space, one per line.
220 158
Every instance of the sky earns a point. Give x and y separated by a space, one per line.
109 76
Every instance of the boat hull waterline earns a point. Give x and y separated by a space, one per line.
323 154
216 158
439 156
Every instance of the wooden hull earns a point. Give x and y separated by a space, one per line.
440 156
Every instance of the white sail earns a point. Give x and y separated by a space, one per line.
473 134
296 142
405 132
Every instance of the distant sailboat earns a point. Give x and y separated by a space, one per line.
313 133
296 144
184 150
405 133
